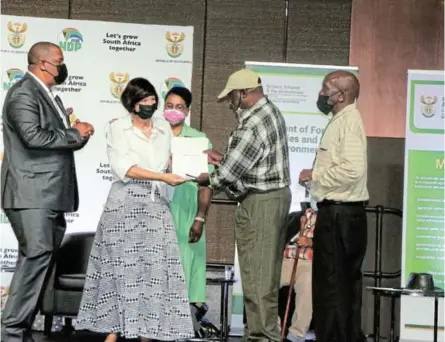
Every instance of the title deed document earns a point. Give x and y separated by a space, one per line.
188 157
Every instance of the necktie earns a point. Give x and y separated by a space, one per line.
59 102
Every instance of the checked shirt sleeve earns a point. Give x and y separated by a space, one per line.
242 154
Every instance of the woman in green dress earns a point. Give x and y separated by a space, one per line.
190 203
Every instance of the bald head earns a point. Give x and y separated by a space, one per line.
44 61
339 90
346 82
40 51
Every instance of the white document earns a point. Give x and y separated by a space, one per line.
188 157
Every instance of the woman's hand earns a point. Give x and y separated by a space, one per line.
172 179
195 231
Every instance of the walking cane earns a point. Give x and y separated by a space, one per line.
303 222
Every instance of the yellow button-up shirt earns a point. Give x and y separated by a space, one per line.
340 171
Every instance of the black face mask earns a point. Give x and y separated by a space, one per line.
146 111
236 108
323 105
62 73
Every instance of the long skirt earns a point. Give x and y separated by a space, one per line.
135 283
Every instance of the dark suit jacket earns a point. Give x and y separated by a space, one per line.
38 169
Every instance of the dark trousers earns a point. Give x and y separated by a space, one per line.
39 233
339 242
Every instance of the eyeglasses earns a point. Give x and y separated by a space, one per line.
180 107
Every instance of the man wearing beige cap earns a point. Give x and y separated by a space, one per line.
255 171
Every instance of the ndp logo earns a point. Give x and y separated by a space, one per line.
11 76
70 39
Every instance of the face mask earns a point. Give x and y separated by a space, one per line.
323 105
235 106
146 111
174 116
236 110
62 73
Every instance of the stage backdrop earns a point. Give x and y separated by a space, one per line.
293 88
101 58
423 209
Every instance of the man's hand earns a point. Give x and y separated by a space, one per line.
214 157
202 179
305 176
85 129
304 241
195 231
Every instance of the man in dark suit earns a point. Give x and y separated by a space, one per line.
38 180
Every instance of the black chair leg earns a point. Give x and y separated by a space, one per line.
48 325
68 326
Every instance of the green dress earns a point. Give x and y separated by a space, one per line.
184 207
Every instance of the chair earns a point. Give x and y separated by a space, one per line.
63 292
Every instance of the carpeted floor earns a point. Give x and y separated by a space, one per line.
90 337
83 337
87 337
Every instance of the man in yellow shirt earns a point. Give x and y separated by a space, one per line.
338 182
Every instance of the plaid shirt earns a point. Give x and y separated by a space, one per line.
257 157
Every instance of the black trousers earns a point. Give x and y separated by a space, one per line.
39 233
340 239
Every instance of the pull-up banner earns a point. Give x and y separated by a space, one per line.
101 58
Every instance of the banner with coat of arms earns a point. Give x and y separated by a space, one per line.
423 208
101 58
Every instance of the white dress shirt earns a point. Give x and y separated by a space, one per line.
51 96
128 146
